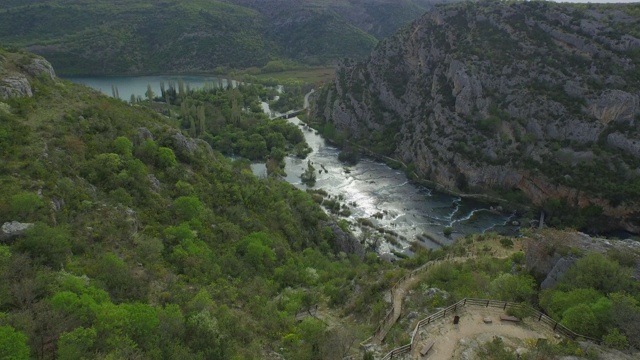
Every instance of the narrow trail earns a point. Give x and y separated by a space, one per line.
400 289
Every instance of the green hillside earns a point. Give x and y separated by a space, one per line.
147 244
137 37
98 37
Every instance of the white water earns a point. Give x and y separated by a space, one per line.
415 212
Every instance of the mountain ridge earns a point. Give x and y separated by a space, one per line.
98 38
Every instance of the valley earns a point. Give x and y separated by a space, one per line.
443 193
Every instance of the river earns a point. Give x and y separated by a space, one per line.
415 212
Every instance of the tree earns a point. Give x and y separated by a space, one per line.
255 250
142 324
254 148
513 287
166 158
580 319
308 177
13 344
149 94
103 169
80 307
626 314
123 146
188 207
339 341
203 334
616 340
597 272
557 302
447 231
47 246
76 344
25 204
114 273
201 120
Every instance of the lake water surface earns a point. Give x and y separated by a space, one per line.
137 85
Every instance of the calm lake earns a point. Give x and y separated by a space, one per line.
137 85
415 212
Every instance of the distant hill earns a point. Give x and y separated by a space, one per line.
132 37
528 100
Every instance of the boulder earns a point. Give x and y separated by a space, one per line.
15 85
144 134
40 67
344 241
13 229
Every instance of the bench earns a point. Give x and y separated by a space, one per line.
425 349
509 318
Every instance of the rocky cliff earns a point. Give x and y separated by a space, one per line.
533 100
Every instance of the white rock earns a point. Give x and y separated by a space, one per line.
13 228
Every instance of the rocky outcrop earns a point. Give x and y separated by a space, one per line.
189 145
550 253
39 67
143 135
559 269
15 85
615 105
13 229
531 97
18 70
344 241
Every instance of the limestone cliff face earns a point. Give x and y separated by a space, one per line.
537 98
16 72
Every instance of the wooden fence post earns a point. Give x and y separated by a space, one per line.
540 317
505 306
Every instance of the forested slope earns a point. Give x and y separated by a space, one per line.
124 238
116 37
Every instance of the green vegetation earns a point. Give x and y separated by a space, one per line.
308 177
291 98
495 350
94 37
146 244
231 120
597 297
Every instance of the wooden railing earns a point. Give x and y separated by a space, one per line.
392 316
504 305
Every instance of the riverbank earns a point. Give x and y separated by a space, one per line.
507 207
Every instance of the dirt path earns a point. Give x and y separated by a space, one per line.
402 287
